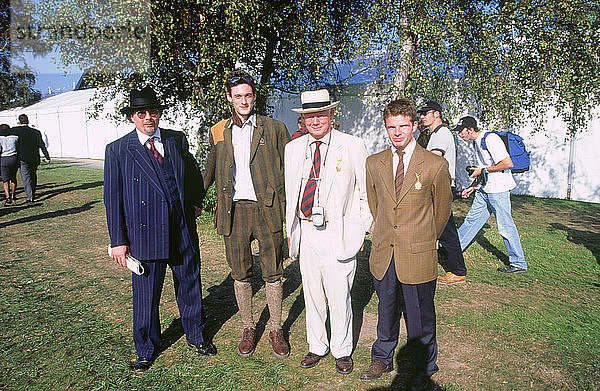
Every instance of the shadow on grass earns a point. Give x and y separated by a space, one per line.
50 215
362 290
484 243
45 195
588 239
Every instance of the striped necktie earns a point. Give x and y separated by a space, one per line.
399 173
156 154
308 197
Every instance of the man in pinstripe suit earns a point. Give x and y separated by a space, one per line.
152 191
408 190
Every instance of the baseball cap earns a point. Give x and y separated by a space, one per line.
465 122
430 105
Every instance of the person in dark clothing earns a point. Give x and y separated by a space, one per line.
30 142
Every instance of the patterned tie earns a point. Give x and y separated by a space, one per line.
156 154
399 173
308 197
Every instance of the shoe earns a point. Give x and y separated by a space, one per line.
511 269
376 369
248 343
29 201
281 348
206 348
142 364
344 365
419 383
451 279
8 201
310 360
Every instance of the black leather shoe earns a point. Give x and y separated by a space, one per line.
511 269
206 348
142 364
344 365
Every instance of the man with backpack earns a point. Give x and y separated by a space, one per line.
493 194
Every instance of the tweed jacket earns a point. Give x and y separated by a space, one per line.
342 188
408 228
137 212
266 168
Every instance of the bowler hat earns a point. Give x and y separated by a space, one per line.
142 99
313 101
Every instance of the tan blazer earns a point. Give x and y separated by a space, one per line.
266 168
408 228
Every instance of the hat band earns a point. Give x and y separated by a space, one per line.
315 105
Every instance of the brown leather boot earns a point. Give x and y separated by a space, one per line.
281 348
248 343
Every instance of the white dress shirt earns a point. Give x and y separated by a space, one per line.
408 151
308 163
158 144
241 137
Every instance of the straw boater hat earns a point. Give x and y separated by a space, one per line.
313 101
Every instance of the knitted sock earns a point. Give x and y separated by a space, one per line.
274 297
243 296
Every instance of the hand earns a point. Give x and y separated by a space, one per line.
197 211
467 192
118 253
476 172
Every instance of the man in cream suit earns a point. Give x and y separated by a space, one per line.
327 216
409 196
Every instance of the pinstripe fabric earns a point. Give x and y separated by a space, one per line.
407 227
149 208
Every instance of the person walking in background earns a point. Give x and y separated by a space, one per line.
30 142
245 162
153 191
327 216
408 189
9 163
493 164
301 129
441 142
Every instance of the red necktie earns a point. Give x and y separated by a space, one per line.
399 173
156 154
308 197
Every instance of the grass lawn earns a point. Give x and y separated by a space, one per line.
65 307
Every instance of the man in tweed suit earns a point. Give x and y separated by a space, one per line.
245 162
152 191
408 189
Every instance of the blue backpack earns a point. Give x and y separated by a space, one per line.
516 149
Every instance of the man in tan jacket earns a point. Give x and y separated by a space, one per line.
408 190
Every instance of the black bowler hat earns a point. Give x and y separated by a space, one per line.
142 99
430 105
465 122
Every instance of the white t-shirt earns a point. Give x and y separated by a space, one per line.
443 141
498 181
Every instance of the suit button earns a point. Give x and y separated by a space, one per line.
142 225
231 166
143 202
136 179
395 227
392 245
224 189
229 211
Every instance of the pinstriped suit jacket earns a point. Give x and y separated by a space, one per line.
137 209
408 228
266 168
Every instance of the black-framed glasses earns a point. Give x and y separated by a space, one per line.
141 114
246 79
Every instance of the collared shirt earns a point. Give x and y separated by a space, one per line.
158 144
241 137
408 151
307 165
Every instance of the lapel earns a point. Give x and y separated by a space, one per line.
227 139
386 172
142 159
414 167
170 145
257 134
331 162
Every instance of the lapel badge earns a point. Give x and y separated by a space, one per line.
261 141
418 185
338 166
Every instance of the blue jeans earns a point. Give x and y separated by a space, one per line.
483 206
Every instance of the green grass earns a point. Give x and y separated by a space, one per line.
65 308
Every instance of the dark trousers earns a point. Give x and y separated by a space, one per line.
455 262
29 178
419 309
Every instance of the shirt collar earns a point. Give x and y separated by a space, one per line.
325 139
251 119
408 150
144 137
